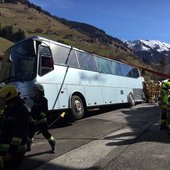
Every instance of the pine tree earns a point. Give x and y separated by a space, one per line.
19 35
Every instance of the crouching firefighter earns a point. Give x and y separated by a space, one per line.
163 104
14 129
39 118
168 112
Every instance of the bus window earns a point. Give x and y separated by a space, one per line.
127 70
86 61
27 65
72 60
135 73
23 61
103 65
60 53
46 62
116 68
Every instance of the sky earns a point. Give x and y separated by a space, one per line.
123 19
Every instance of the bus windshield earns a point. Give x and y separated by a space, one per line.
19 62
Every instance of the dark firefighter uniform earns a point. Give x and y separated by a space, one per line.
146 91
2 104
2 107
163 99
14 129
39 117
168 109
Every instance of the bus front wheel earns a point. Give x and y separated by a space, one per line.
77 107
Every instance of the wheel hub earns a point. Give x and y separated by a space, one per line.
78 105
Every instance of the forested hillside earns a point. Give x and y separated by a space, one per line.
20 19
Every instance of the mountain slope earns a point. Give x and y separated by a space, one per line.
6 44
34 21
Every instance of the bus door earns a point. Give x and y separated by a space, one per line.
45 74
63 98
55 100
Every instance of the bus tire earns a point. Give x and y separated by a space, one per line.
77 108
131 100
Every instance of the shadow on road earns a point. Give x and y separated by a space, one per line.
36 154
134 122
136 117
56 122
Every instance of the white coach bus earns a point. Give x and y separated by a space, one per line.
73 79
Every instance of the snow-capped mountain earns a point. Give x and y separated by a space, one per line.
147 45
154 52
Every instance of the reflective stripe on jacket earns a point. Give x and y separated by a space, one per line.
163 99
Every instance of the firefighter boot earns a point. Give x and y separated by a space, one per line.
162 124
1 162
52 144
29 143
168 130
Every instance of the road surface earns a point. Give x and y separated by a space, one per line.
99 141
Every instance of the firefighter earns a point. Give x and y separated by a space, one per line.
168 109
157 91
39 118
146 91
2 105
164 93
14 129
168 114
2 108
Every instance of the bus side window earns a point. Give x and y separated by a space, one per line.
45 60
72 60
127 70
116 68
86 61
103 65
60 53
135 73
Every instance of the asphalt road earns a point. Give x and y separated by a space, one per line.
114 138
151 151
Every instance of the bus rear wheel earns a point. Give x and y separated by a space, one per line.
131 100
77 107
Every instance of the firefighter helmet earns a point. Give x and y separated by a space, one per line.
39 87
8 92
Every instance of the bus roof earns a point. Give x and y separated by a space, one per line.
39 38
51 41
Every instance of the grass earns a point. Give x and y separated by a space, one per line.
4 44
29 19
